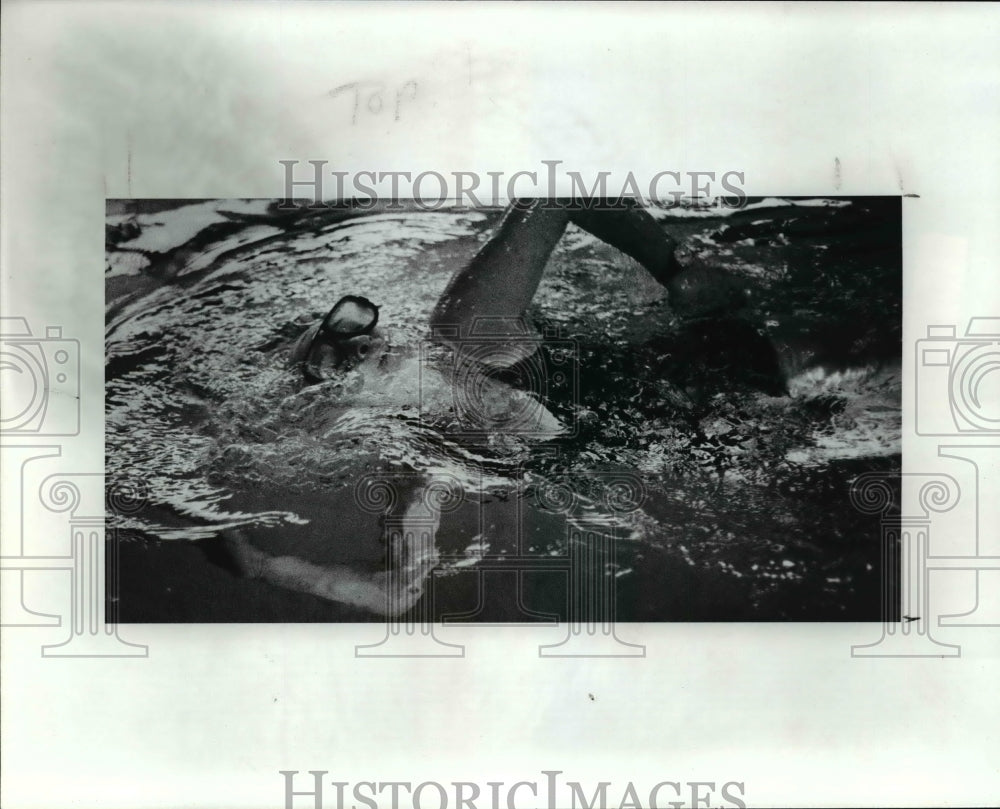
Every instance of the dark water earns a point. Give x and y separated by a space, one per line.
737 439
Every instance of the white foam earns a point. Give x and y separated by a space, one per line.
697 209
870 424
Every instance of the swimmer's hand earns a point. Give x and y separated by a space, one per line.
701 290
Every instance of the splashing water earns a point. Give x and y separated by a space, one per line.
736 483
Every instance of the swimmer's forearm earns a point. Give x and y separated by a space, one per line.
629 227
387 593
501 279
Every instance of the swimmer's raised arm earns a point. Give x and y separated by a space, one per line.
501 279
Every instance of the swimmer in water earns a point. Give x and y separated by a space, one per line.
495 287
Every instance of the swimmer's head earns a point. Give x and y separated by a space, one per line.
347 337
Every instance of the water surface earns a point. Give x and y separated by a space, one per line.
744 509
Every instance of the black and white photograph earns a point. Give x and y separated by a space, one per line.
657 413
499 405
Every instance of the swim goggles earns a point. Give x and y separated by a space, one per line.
352 316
